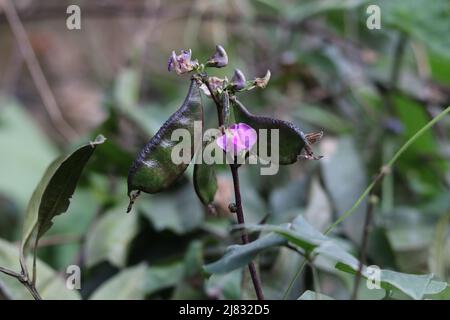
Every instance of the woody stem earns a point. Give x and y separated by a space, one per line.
237 195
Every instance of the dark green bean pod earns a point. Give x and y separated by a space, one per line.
205 182
153 170
292 140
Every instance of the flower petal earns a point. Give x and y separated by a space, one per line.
238 138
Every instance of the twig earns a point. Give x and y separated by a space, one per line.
316 280
244 236
237 194
36 71
297 274
216 101
25 280
386 169
10 272
364 242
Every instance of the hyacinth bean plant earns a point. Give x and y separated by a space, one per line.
239 137
153 170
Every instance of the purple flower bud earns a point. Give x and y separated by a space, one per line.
237 138
219 59
181 63
238 81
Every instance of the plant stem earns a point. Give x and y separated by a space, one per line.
240 217
387 168
365 238
32 289
216 101
297 274
316 280
25 280
237 194
10 273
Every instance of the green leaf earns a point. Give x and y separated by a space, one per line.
135 283
111 157
414 117
291 139
128 284
20 174
443 295
341 165
415 286
50 285
279 277
153 170
311 295
174 210
299 232
314 243
437 248
205 182
110 238
193 259
52 196
73 224
237 256
225 286
305 9
425 23
163 277
319 211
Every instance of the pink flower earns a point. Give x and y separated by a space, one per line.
181 63
238 137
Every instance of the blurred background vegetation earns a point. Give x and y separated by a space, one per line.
368 90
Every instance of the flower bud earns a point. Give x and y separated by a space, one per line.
181 63
238 81
219 59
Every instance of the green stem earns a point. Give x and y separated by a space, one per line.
384 170
387 168
297 274
24 279
316 280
